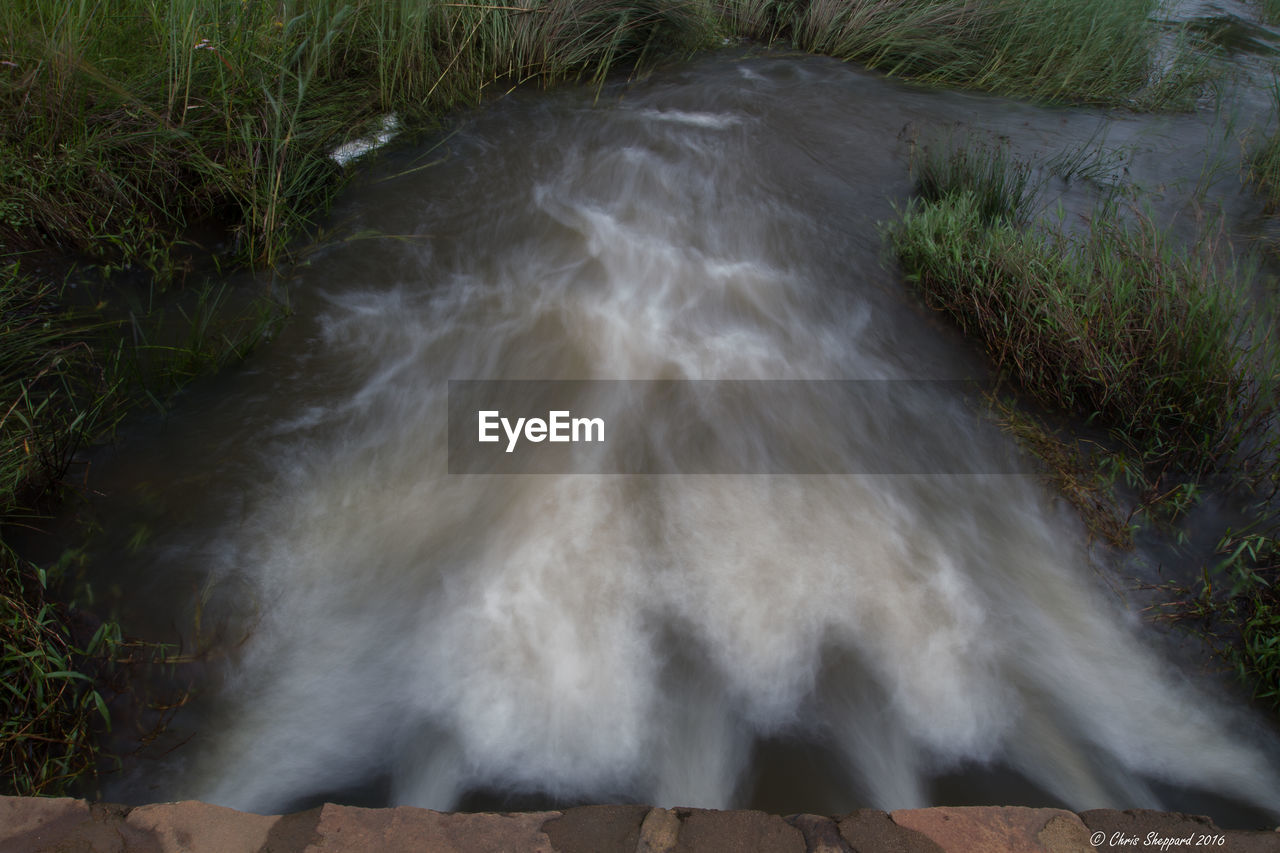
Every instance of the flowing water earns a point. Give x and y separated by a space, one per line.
389 632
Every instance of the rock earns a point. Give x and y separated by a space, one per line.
598 829
821 834
195 827
737 832
998 829
405 828
38 825
872 831
660 832
1136 829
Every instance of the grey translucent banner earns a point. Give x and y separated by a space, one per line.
724 427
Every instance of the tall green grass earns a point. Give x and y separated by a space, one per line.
1247 582
1264 169
1089 51
1000 185
123 122
1158 344
1115 325
126 121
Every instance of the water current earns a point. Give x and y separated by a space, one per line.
389 632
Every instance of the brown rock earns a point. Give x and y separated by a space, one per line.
1065 835
597 829
39 824
1132 829
737 832
294 832
22 815
347 828
872 831
659 832
195 827
1007 829
821 834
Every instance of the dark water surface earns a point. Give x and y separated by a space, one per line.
389 633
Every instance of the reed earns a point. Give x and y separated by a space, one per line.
1264 172
1089 51
1160 345
1115 325
127 121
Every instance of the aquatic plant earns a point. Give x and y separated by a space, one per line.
1264 173
52 705
127 122
1091 51
56 396
1114 326
66 378
1159 345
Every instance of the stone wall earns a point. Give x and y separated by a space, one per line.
30 825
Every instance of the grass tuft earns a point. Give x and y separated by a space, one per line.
1158 345
1113 325
1000 184
125 123
51 698
1091 51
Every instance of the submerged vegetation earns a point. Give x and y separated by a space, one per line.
53 705
67 377
1264 169
1161 347
1112 325
1093 51
56 395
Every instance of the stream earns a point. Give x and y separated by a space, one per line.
378 630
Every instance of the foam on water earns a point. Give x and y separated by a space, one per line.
594 637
